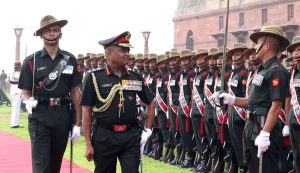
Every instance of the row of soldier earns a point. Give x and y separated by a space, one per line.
244 127
189 118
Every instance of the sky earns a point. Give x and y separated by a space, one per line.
88 22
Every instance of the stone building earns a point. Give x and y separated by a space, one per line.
201 23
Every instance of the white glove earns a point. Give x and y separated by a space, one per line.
215 97
75 134
262 142
286 131
30 103
145 135
228 99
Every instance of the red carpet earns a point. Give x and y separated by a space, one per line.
15 156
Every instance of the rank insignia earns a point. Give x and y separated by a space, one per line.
275 82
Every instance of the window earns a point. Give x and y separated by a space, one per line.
241 19
221 22
264 16
241 40
290 12
220 42
290 36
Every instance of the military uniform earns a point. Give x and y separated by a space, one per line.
268 84
294 117
184 111
51 119
236 122
16 96
173 93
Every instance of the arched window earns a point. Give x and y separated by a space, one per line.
190 40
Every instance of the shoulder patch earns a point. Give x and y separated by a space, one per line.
275 82
243 73
226 75
204 74
244 82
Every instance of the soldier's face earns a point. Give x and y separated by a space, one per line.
254 59
185 61
212 62
173 62
119 55
201 60
236 58
296 53
51 34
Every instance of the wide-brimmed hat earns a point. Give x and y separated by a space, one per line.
173 55
167 53
17 64
152 57
220 52
211 52
132 57
161 59
273 31
237 47
100 55
185 54
295 42
139 57
248 51
200 52
93 59
87 56
80 56
47 21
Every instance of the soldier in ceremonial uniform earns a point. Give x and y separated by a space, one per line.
197 114
209 106
110 94
173 95
131 63
221 113
161 100
294 116
15 95
139 64
101 61
237 116
50 80
184 111
267 95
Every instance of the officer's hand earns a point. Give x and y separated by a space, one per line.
30 103
89 152
227 98
215 97
262 142
145 135
75 134
286 131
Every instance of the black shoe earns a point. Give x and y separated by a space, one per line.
18 126
188 163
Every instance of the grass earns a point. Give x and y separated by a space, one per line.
149 165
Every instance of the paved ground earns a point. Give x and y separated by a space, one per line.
15 156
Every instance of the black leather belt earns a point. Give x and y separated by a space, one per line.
258 110
54 101
115 128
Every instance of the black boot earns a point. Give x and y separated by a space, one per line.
178 154
188 162
164 157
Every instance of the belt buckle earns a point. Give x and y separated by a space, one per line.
120 128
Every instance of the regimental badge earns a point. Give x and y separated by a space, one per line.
257 80
296 83
234 83
184 82
209 81
78 69
172 82
68 69
275 82
53 75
